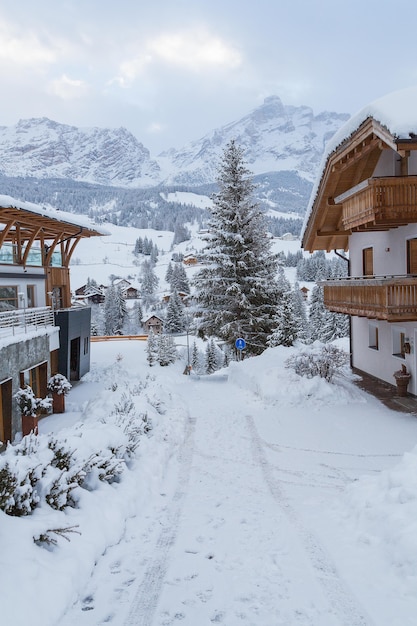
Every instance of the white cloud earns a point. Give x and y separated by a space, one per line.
67 88
192 50
195 50
23 48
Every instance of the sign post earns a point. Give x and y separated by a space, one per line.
240 345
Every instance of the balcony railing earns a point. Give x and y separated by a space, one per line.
25 320
380 202
390 298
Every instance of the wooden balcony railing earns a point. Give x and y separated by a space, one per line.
390 298
380 202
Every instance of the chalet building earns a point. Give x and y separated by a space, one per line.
41 334
190 259
127 289
154 324
90 294
365 201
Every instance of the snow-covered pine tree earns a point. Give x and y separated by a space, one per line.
211 357
114 310
300 315
151 348
149 282
179 279
167 352
175 321
321 321
121 306
236 290
169 273
137 316
284 333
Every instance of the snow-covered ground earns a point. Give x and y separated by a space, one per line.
259 498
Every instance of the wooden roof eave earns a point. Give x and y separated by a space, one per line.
31 221
369 137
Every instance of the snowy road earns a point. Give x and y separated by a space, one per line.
242 531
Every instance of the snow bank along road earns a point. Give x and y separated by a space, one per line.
241 533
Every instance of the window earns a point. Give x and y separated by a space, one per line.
398 341
30 291
8 298
368 261
36 377
373 337
86 342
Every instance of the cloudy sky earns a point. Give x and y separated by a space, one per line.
172 70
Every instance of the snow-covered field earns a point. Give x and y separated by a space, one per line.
259 498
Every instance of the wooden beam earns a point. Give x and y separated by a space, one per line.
333 233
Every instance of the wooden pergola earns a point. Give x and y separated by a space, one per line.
27 229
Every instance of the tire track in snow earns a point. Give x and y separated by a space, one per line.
341 599
145 602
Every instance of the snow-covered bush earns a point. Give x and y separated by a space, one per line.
47 538
59 494
324 360
104 466
59 384
28 404
18 496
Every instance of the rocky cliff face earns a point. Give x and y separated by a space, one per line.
42 148
275 138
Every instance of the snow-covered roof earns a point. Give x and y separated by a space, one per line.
51 213
397 112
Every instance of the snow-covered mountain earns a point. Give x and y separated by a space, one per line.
275 137
42 148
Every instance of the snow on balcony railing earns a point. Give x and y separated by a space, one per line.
25 320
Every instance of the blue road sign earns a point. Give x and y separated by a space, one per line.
240 343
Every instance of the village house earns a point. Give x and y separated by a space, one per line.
153 323
90 294
365 202
41 334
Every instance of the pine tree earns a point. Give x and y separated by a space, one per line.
300 315
285 324
113 311
235 289
167 352
149 282
175 321
196 358
323 323
179 280
211 357
151 348
168 274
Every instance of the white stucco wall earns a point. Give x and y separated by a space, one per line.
389 250
390 258
382 363
15 276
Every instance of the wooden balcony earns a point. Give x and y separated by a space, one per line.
380 203
390 298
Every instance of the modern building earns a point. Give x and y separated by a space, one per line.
41 334
365 202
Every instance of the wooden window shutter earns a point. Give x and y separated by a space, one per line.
368 262
412 256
